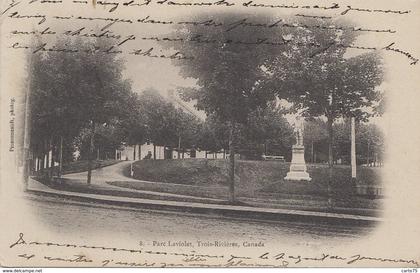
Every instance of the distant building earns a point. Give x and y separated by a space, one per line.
146 151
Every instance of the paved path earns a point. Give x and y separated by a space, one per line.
100 176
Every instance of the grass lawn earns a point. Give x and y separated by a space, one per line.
72 185
254 179
255 174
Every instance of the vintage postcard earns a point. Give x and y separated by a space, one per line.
210 133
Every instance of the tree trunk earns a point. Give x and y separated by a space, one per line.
330 159
154 151
312 151
330 141
134 152
60 169
265 147
179 147
46 157
232 163
376 160
139 151
50 159
46 160
353 149
368 154
90 154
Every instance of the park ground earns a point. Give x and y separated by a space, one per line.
257 184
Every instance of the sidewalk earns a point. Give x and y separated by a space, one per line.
248 212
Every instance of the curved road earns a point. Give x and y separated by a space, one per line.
116 173
108 173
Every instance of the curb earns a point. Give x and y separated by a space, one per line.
246 212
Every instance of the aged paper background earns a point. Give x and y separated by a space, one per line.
396 238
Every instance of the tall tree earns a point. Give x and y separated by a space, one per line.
163 120
268 127
54 104
322 80
315 134
133 124
188 131
83 88
228 72
213 135
371 144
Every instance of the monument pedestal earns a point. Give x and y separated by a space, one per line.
298 166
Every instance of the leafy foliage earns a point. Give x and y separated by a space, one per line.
228 74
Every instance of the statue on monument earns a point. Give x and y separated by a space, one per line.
299 131
298 166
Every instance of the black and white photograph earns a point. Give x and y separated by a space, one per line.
226 134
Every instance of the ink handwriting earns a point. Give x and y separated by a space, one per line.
144 257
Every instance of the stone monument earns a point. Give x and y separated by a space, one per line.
298 166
